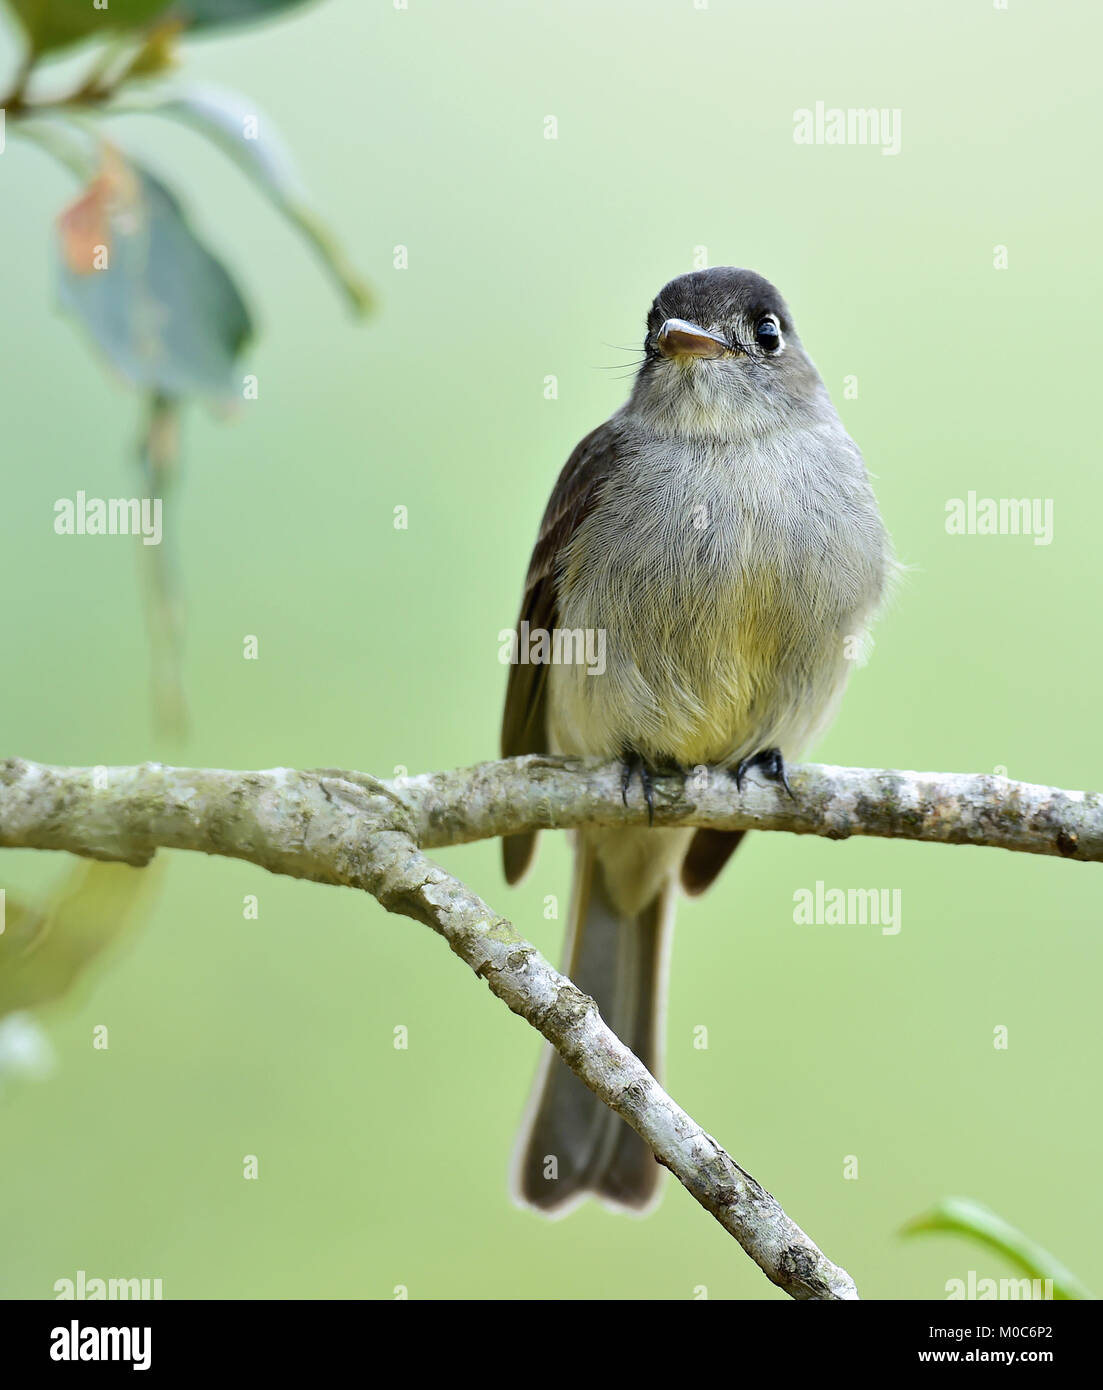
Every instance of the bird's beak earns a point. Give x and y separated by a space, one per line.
680 338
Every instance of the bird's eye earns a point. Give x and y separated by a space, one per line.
768 335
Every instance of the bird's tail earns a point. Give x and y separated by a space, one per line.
572 1144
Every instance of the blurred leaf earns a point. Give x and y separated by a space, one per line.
224 118
49 949
207 14
157 54
971 1219
52 24
161 306
20 926
69 146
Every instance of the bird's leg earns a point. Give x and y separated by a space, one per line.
770 763
633 762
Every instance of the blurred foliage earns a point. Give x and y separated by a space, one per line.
160 305
55 24
971 1219
163 308
221 116
169 318
26 1053
45 949
209 14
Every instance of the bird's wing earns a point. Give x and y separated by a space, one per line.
524 722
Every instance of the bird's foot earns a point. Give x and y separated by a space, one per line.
770 763
633 763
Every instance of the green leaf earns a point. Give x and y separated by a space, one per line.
43 951
224 118
971 1219
208 14
161 306
53 24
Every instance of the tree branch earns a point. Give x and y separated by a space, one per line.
542 793
347 828
137 809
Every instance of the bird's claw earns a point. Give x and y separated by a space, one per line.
770 763
634 763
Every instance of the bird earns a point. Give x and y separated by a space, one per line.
720 535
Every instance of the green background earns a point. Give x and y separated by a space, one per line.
378 647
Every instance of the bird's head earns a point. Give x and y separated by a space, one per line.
722 358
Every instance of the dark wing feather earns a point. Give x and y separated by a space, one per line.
524 722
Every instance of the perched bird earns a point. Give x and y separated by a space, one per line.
720 531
